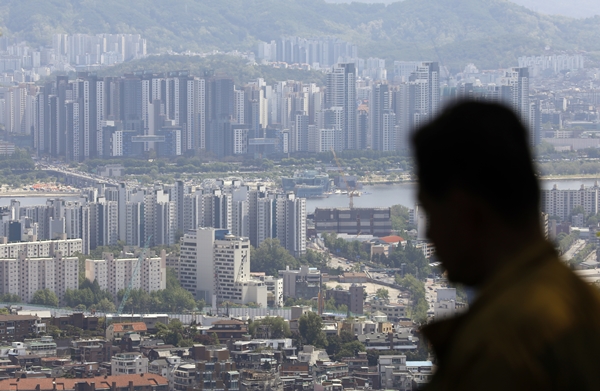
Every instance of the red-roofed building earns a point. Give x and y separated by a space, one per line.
118 330
394 240
142 382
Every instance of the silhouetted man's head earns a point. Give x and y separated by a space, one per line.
475 174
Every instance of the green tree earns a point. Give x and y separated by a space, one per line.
383 293
270 257
416 288
310 326
350 349
106 306
45 297
10 298
270 327
173 333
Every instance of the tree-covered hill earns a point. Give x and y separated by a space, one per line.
490 33
236 67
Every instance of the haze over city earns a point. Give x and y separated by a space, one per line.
221 195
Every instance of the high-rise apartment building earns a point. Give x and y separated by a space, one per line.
39 248
341 92
291 223
117 273
416 101
24 275
383 119
561 202
215 266
196 268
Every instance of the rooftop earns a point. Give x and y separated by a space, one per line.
101 382
133 326
392 239
8 318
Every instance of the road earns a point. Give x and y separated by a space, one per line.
570 253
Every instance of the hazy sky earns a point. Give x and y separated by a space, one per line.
573 8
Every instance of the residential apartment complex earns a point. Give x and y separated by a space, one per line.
116 273
24 276
39 248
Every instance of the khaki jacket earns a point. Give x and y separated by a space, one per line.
534 326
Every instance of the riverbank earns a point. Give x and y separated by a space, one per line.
569 177
543 178
40 194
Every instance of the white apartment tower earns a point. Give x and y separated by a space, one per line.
215 266
196 269
341 92
25 275
114 274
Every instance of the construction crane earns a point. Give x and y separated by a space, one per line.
241 269
134 274
351 191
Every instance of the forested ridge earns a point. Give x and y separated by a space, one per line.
491 33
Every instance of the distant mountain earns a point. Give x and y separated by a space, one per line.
572 9
490 33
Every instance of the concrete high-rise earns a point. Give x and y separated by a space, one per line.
117 273
219 113
341 92
416 101
215 266
383 120
196 268
291 223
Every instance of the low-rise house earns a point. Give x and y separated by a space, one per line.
17 327
150 320
143 382
295 368
131 342
118 330
371 375
273 344
394 373
393 311
258 380
300 382
207 375
333 370
311 355
402 340
128 364
26 361
165 367
357 363
421 372
229 329
92 350
45 346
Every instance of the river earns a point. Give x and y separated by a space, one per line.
373 196
382 196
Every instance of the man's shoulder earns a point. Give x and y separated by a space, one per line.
545 303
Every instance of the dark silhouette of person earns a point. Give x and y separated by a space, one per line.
534 325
